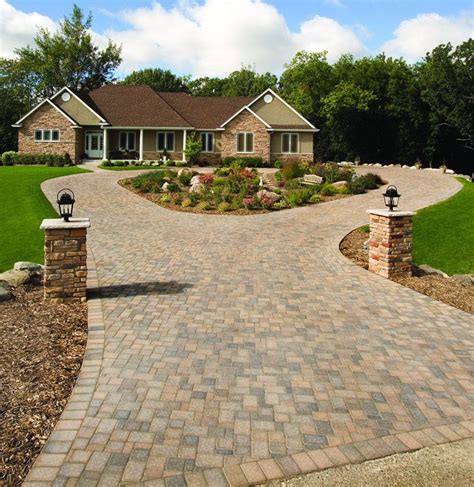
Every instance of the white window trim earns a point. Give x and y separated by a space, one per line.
289 146
42 140
245 151
207 135
128 132
167 149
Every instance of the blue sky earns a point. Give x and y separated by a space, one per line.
224 34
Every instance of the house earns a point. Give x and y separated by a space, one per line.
135 122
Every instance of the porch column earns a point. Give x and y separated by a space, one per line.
105 154
185 134
140 157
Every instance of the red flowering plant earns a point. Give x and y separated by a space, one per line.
245 173
206 179
249 202
266 202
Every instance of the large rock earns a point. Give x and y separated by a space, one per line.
15 278
340 184
426 269
449 171
5 293
268 194
465 278
196 185
31 267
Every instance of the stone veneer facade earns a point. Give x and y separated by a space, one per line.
246 122
390 243
47 117
65 260
291 157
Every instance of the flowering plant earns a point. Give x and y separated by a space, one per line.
248 201
206 178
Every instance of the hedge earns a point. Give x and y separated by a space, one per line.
20 158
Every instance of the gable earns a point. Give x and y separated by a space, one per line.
276 112
75 109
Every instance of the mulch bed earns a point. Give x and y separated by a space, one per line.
155 198
41 352
448 290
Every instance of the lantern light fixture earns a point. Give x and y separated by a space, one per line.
391 197
65 200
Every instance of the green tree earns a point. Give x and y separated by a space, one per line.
447 87
206 86
246 82
193 148
158 79
68 57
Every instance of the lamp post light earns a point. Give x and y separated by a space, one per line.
65 200
391 197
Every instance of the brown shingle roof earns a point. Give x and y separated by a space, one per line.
135 106
206 112
292 127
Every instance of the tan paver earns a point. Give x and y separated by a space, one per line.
219 343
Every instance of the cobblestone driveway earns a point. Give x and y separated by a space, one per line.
239 349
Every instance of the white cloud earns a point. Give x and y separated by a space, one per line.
335 3
216 37
414 37
17 28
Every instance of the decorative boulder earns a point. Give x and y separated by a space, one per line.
405 166
5 293
31 267
428 270
268 194
340 184
449 171
196 185
377 164
165 187
15 278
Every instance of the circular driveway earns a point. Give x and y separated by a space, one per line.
232 350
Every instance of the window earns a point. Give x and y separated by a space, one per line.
127 141
289 143
47 135
245 142
207 139
165 141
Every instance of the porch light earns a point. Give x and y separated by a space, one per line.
65 201
391 197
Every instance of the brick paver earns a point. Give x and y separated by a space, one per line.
217 343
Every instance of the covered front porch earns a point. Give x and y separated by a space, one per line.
135 143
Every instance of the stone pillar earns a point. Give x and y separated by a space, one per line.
65 259
390 242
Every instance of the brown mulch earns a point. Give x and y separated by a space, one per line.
447 290
41 352
155 198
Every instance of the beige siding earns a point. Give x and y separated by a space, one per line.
217 139
81 114
276 112
305 144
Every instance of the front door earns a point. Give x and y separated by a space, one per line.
94 145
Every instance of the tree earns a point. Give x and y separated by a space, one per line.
246 82
447 87
193 148
68 57
158 79
206 86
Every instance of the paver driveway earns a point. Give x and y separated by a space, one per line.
228 341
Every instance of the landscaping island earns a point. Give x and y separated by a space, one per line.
238 189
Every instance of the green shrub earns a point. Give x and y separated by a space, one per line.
204 206
185 178
224 206
186 203
58 160
166 198
298 197
328 190
152 181
292 170
173 187
315 198
8 158
254 161
371 180
357 186
278 164
106 163
222 171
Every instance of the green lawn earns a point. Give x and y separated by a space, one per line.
443 234
22 208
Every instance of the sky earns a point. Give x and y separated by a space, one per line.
215 37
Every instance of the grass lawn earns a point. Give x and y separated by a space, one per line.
22 208
443 234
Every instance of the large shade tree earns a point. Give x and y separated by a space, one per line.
158 79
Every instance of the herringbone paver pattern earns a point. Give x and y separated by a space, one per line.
232 350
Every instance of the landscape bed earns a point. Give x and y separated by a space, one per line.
41 353
242 190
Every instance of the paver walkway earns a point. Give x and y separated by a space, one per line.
251 343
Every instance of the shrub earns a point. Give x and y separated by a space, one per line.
278 164
166 198
224 206
371 180
204 206
328 190
193 148
46 159
153 181
315 198
292 170
185 178
357 186
173 187
222 171
8 158
298 197
242 162
206 179
186 203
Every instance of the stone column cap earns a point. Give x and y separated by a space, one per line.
388 213
60 224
